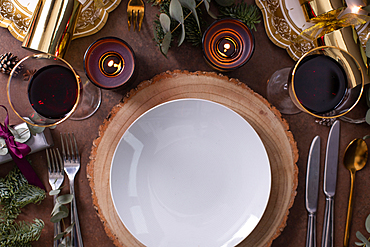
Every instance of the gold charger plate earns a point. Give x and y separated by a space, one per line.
284 21
15 15
265 119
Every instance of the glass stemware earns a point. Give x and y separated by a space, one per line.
44 90
326 82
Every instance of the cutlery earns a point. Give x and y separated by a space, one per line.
312 190
135 11
355 158
56 178
72 164
330 182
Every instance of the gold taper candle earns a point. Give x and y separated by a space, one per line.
347 39
52 26
314 9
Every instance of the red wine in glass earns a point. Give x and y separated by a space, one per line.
320 83
53 91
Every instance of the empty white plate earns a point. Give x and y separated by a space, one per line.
190 172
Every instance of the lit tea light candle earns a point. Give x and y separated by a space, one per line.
227 47
109 63
227 44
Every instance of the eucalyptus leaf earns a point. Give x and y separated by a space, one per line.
59 236
54 192
367 223
56 208
3 148
176 11
182 38
165 22
367 117
191 5
70 228
22 135
362 238
206 5
368 95
225 3
155 34
177 14
359 244
58 216
64 209
166 43
64 199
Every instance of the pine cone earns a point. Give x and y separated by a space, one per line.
7 63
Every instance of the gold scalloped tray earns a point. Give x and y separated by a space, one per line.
284 21
15 15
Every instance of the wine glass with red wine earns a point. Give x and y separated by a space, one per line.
326 82
44 90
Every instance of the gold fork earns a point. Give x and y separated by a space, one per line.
135 10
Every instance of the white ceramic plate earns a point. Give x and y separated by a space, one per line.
190 172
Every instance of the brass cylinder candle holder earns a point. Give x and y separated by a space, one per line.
347 39
315 9
227 44
52 26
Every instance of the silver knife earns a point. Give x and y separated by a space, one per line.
312 190
330 183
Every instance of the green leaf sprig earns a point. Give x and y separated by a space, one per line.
361 237
16 193
187 15
173 15
59 212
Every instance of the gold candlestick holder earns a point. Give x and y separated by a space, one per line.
347 39
319 9
52 26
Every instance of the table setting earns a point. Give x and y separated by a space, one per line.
169 133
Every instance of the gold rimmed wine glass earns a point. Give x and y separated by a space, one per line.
44 90
326 82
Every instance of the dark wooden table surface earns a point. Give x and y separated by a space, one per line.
266 59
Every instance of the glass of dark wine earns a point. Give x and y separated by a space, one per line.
44 90
326 82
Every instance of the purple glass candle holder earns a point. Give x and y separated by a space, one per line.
109 63
227 44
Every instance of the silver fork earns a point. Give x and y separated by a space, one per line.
72 164
56 178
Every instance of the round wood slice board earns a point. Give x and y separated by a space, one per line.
265 119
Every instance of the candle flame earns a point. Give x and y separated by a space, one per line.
226 47
355 9
110 63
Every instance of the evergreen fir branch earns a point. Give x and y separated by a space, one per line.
249 14
193 34
22 233
28 194
15 193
